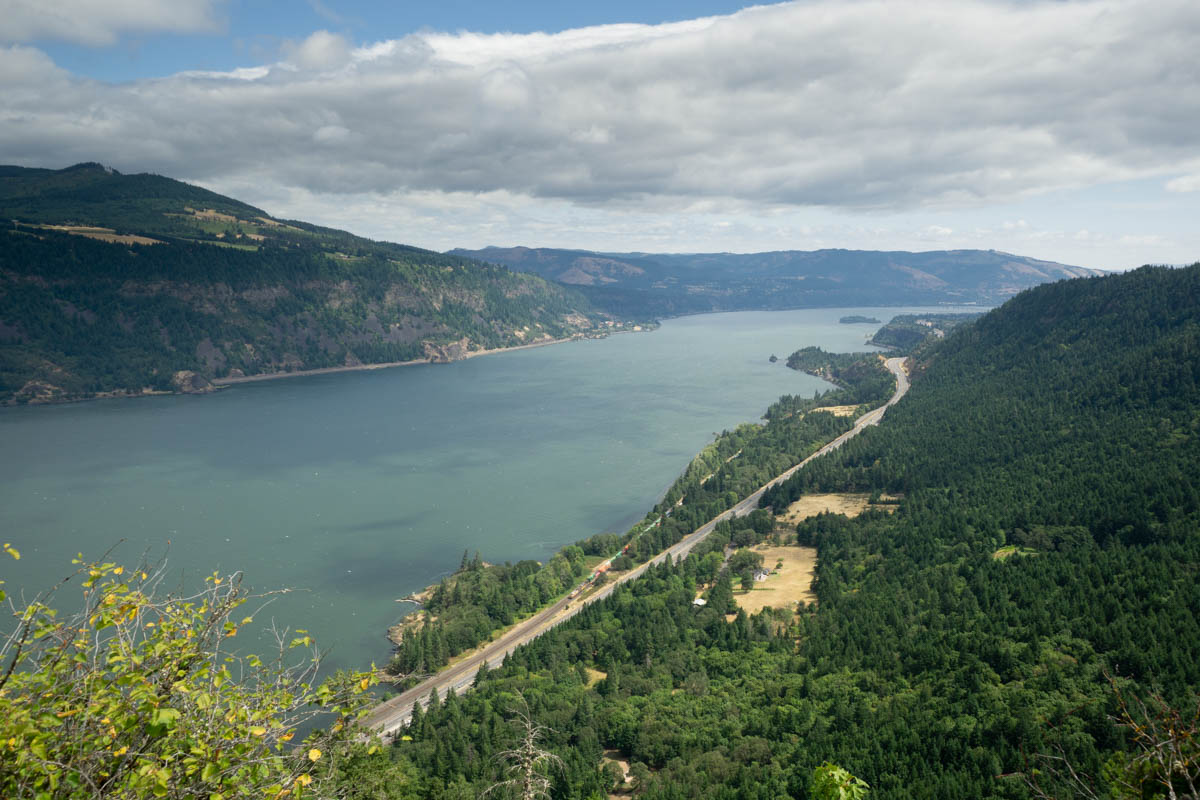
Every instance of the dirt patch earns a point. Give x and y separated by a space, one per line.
102 234
594 677
837 411
615 757
209 213
850 504
787 584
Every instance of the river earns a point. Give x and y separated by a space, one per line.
358 488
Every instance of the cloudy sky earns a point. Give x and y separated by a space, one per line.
1064 130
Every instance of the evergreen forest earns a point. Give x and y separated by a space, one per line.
1024 624
1040 570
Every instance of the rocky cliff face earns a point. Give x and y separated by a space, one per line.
445 353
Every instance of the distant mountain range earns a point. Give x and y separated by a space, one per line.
681 283
128 284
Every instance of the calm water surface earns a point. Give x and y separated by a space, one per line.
359 488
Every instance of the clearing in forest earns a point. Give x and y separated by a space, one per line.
849 503
102 234
786 585
1011 550
837 411
616 757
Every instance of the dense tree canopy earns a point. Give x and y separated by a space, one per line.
1047 538
1039 572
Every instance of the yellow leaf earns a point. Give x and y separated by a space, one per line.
287 737
122 751
118 570
364 683
314 754
304 780
12 551
258 730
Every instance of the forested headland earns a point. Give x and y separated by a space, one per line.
905 332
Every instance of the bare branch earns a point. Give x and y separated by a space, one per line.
527 763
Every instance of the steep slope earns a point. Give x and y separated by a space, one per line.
123 284
678 283
1047 535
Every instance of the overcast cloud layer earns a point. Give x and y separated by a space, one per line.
863 106
100 22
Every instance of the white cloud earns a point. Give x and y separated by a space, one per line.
320 51
100 22
27 66
865 105
1184 183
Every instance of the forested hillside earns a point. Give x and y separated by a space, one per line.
1048 539
905 332
465 609
115 283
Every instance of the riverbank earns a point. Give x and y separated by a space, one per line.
363 489
270 376
192 383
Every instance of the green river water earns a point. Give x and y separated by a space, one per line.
358 488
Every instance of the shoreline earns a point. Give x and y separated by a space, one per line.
270 376
217 384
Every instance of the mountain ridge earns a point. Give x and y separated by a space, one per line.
115 284
690 282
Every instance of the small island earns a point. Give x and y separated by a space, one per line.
854 319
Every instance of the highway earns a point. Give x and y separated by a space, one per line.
391 715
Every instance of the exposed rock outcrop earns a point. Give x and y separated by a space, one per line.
39 392
445 353
187 382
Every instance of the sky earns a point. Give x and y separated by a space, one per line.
1062 130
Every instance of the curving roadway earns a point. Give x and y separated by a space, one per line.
392 714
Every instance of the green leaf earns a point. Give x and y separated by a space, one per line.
162 720
165 716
